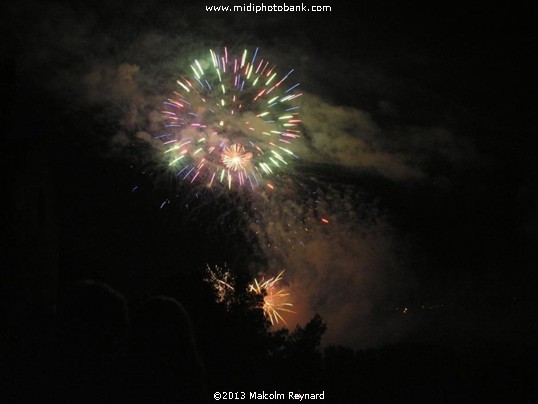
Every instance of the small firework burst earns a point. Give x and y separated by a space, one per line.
275 299
235 157
222 283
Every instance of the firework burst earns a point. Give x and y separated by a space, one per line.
222 283
275 299
231 121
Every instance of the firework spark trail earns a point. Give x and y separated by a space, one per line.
231 121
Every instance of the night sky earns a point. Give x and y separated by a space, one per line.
419 143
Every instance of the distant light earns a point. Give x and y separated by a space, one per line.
325 220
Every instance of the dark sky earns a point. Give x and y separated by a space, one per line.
420 140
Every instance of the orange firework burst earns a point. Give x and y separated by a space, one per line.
235 157
275 299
